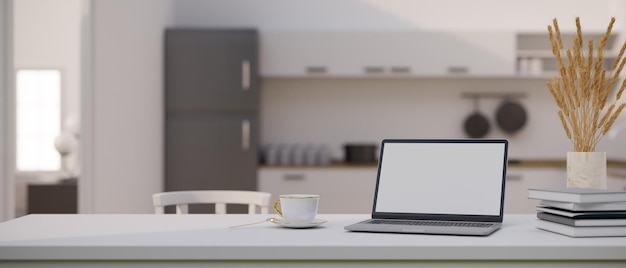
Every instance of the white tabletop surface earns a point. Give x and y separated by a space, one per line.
208 237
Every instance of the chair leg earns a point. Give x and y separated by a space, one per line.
182 209
159 210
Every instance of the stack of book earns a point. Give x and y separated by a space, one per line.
580 212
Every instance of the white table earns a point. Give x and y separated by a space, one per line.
195 240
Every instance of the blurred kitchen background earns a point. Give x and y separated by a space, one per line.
318 85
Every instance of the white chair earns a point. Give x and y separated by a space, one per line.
182 199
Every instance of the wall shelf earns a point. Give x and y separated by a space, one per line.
534 51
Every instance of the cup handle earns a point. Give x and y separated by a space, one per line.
277 208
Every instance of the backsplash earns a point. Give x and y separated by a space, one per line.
336 111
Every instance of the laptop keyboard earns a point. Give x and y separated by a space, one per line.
433 223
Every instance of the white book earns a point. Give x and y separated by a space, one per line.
593 231
577 195
584 206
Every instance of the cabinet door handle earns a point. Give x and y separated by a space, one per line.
245 75
293 177
400 69
458 70
245 135
374 69
513 177
316 69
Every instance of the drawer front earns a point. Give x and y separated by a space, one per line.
340 190
520 179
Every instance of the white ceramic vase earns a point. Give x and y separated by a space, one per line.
586 170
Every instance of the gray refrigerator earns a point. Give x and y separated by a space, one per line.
211 109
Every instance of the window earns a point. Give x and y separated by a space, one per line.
38 121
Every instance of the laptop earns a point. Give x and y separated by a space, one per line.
448 187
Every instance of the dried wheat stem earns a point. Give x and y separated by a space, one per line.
616 75
586 83
558 33
564 123
619 56
606 116
555 94
621 90
616 72
582 91
579 33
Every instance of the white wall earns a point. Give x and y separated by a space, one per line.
7 185
336 111
47 35
520 15
128 103
3 180
128 83
339 111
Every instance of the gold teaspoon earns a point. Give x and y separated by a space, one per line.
247 224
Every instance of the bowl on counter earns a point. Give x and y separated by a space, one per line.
287 154
360 153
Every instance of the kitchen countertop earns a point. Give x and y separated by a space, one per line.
615 168
512 163
148 240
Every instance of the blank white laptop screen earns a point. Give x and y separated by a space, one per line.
441 178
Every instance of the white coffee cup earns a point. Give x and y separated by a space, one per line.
297 207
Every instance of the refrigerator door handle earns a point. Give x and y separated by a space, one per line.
245 75
245 135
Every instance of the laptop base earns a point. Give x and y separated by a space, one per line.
366 226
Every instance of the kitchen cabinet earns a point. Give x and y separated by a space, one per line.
341 189
351 189
387 54
617 183
519 179
534 51
295 53
211 109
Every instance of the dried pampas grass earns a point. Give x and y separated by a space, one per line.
582 87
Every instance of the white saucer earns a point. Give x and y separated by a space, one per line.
300 225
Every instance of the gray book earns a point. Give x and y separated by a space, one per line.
590 231
577 195
580 222
616 206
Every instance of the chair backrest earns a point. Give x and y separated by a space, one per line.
182 199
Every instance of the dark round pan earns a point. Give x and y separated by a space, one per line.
476 125
511 116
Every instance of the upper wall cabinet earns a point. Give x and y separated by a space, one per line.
387 54
534 51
